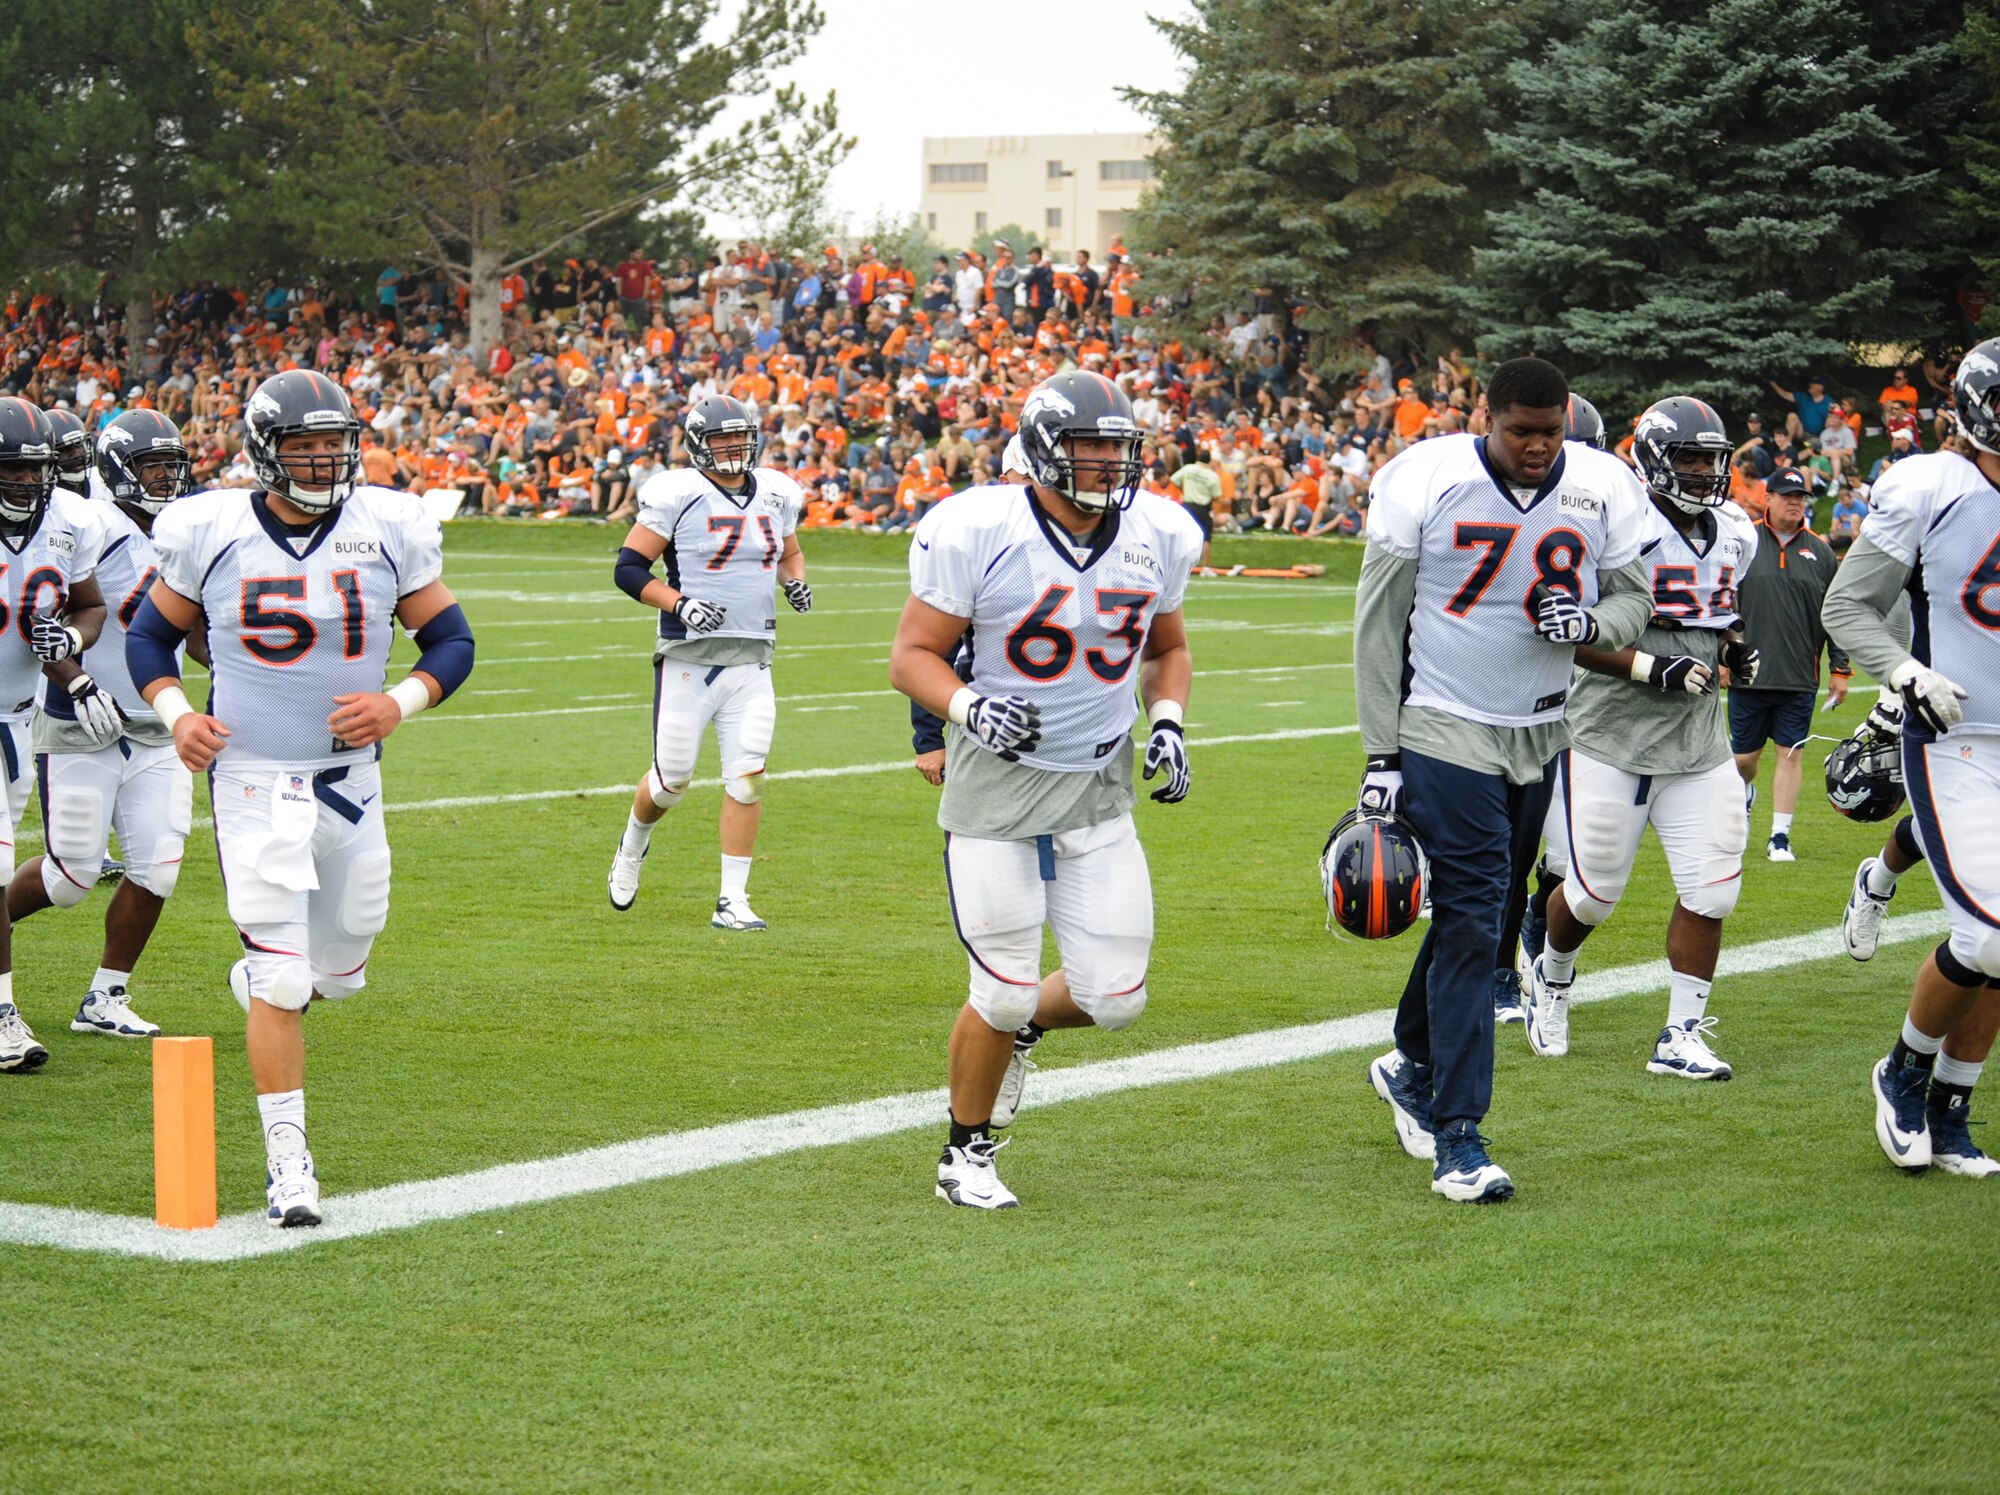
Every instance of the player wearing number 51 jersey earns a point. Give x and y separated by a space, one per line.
1067 592
1933 532
302 583
1490 559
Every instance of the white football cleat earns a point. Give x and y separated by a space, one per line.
1952 1147
239 984
1548 1013
1779 847
1406 1089
291 1188
1861 921
1014 1083
1684 1051
624 879
1902 1120
735 913
966 1177
19 1052
111 1012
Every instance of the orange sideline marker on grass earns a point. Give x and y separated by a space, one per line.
184 1132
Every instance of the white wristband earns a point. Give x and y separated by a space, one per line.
172 705
961 704
411 696
1642 667
1166 711
76 642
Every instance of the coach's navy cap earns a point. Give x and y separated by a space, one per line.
1790 480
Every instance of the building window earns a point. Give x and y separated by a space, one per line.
1118 171
942 174
1056 170
1052 218
979 219
930 220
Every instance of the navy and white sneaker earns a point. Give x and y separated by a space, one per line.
111 1012
1779 847
1406 1089
735 913
1534 937
623 881
1683 1050
1507 998
1014 1083
19 1053
1548 1012
1861 921
1952 1147
291 1192
1901 1121
1465 1174
966 1176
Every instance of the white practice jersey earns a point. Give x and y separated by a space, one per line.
1060 626
1481 546
1694 577
1939 516
126 571
723 547
295 619
36 571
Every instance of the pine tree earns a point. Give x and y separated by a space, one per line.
1708 197
1976 195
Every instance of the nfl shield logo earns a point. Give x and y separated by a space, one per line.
1965 751
298 784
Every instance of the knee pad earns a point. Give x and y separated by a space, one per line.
1120 1011
1970 958
745 788
64 890
1589 911
666 796
1107 980
76 828
364 901
1003 1005
346 984
1715 900
159 875
282 981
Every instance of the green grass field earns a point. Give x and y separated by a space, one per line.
1235 1284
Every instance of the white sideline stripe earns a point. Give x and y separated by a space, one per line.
27 838
595 1169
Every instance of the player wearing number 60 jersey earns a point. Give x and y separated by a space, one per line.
726 529
1067 592
302 583
1490 559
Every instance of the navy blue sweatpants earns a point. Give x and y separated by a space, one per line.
1482 834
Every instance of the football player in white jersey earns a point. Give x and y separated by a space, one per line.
727 529
1649 746
1933 531
133 784
50 611
1067 592
302 582
1490 560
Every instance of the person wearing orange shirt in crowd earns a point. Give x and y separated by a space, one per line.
1749 492
659 339
753 386
1411 411
897 288
1123 299
513 293
1899 390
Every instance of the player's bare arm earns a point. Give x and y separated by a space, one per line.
920 658
364 718
1166 668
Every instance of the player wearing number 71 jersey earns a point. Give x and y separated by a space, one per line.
302 583
1067 592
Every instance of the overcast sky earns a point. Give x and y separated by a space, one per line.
959 69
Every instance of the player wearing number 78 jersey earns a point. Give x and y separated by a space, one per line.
302 583
1067 592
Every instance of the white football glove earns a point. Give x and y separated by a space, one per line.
1382 786
1008 725
1741 661
1560 618
1673 673
698 616
96 712
52 639
1933 697
1167 748
1886 719
799 594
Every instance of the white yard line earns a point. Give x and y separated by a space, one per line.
592 1170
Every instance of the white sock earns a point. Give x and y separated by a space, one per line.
106 978
1558 965
1881 878
638 836
1687 1000
735 877
1956 1071
1917 1040
6 988
284 1123
1781 825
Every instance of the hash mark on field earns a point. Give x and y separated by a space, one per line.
1273 705
593 1170
803 710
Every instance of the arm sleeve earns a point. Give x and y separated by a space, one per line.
1856 611
632 573
152 646
1624 605
1382 606
447 647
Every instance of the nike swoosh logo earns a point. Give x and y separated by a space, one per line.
370 800
923 545
1901 1150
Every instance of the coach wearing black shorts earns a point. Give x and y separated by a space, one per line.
1779 598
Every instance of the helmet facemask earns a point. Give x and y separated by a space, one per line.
1112 481
73 465
1706 487
25 485
728 450
315 483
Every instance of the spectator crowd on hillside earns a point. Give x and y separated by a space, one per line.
883 387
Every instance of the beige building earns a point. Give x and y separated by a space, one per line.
1069 192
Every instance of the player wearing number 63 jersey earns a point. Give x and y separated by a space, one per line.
726 529
1933 532
302 583
1067 592
1490 559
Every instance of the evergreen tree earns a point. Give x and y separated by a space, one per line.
1976 194
1707 198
